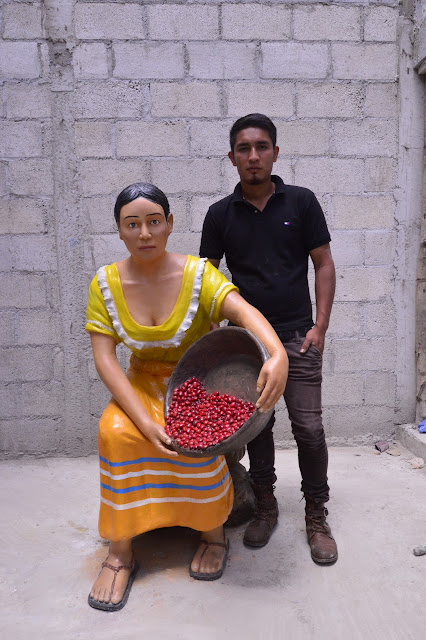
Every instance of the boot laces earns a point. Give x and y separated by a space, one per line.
317 522
265 513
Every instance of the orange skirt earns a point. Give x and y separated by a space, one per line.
143 489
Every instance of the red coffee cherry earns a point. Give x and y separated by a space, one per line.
197 420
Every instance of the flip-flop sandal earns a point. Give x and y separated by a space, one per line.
198 575
111 606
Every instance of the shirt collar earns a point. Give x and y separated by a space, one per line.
279 188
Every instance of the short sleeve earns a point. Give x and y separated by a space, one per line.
211 239
215 287
315 230
98 319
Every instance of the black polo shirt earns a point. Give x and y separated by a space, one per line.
267 251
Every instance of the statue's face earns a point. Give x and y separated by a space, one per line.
144 229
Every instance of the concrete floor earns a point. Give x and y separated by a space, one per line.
376 591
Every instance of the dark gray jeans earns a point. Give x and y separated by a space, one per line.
303 399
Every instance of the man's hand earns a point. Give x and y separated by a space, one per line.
325 284
157 436
315 336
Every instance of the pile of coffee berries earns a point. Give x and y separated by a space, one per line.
197 420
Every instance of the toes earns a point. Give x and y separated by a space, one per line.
195 564
204 565
211 562
95 593
102 596
117 596
120 587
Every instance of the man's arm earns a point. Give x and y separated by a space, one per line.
211 243
325 285
211 239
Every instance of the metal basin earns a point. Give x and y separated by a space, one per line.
227 360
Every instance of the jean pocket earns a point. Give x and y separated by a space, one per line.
313 349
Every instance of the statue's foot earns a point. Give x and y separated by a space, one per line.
112 586
210 558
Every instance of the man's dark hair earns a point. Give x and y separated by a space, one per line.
257 120
141 190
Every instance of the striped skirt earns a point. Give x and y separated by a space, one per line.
142 489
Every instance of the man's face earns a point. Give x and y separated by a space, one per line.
253 155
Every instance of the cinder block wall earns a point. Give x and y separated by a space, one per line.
96 95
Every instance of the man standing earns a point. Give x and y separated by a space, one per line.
267 230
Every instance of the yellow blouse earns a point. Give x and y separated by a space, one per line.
202 293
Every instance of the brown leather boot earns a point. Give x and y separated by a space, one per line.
322 543
265 520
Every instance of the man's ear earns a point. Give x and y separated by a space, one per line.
170 223
276 152
231 157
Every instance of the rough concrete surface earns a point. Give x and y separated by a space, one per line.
410 437
51 553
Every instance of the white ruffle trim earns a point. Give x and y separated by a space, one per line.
177 338
217 294
99 324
